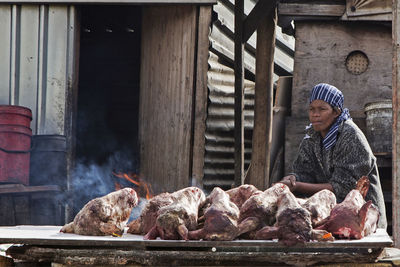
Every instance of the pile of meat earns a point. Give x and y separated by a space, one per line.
243 212
247 213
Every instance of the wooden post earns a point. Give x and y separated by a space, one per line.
262 131
200 101
239 93
396 125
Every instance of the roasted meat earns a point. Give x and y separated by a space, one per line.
180 216
240 194
353 218
260 209
149 214
293 223
105 215
319 205
220 218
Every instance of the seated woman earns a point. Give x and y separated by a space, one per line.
334 153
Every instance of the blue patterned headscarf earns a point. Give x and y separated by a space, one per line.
334 97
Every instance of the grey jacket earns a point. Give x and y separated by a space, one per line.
342 165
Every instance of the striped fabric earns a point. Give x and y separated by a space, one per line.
334 97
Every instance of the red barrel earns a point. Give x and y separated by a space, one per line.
15 144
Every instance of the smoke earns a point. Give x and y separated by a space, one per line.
138 209
91 180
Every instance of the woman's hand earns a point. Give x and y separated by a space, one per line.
290 181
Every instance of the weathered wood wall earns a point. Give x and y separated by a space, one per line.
166 96
320 55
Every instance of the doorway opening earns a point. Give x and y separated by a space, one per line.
108 99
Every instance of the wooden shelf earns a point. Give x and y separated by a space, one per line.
20 188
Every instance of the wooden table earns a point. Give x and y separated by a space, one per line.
47 244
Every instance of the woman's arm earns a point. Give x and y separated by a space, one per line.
310 189
302 187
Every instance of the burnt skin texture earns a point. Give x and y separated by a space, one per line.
241 194
105 215
260 209
220 218
149 214
353 218
176 219
319 205
293 222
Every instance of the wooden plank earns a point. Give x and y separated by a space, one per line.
318 10
280 111
396 124
239 93
5 53
112 257
255 17
29 47
71 108
201 93
50 235
166 95
262 132
20 188
52 110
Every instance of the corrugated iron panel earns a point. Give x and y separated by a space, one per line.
219 147
219 154
222 39
35 61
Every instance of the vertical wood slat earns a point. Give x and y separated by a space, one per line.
396 124
42 69
200 102
262 132
5 41
72 102
56 80
166 95
28 77
15 52
239 93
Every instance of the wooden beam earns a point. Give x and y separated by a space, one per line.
255 17
262 132
239 93
396 125
293 9
20 188
200 101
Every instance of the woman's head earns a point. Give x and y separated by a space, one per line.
326 112
322 116
328 93
326 103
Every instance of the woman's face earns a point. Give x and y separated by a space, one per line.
322 116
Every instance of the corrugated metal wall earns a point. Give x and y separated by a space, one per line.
36 66
219 154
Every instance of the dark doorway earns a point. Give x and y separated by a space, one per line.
108 95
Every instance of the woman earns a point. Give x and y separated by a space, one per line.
334 153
